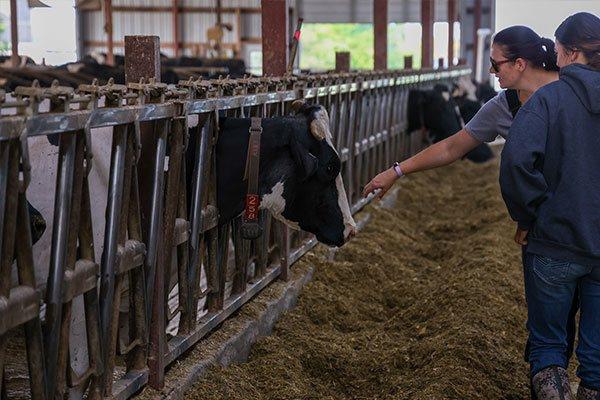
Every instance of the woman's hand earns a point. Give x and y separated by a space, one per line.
383 181
521 236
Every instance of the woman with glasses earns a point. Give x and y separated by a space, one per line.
550 181
522 61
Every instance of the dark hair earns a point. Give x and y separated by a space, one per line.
581 31
522 42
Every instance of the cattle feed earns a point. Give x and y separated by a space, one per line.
275 203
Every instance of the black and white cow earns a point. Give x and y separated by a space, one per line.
299 173
437 112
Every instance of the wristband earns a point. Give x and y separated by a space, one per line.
398 170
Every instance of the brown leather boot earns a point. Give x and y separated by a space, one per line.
584 393
552 383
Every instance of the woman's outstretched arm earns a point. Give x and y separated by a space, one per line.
439 154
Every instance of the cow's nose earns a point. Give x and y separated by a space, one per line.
353 231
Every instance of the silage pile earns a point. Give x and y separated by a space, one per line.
426 303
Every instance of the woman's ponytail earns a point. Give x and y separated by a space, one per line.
549 62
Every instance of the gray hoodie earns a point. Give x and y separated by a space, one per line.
550 169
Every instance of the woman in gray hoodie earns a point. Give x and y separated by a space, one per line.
550 181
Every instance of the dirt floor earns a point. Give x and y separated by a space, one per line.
426 303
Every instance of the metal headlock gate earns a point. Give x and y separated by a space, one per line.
161 235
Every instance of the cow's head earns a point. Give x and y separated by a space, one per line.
299 174
319 205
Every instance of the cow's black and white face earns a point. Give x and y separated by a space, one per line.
312 197
299 177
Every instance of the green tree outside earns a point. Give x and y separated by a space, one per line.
320 42
4 46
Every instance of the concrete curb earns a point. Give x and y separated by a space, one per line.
237 347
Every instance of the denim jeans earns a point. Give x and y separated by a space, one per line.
549 289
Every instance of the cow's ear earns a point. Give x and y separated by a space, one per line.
307 163
298 106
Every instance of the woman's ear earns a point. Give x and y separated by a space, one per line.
520 64
576 56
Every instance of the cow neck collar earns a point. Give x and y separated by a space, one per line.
251 228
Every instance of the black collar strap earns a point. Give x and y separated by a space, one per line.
251 228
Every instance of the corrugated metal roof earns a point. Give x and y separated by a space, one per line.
224 3
143 3
361 11
156 23
251 26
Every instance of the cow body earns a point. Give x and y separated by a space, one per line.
299 175
441 115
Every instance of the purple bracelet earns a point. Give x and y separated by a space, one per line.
398 170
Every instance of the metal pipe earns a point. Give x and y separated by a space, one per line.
295 43
155 215
4 152
196 210
60 236
111 234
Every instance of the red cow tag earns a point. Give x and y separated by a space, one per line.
251 211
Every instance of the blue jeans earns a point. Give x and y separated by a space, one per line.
550 286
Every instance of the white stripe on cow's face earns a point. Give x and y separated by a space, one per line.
349 224
323 124
466 86
275 203
320 126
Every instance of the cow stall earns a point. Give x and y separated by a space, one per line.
133 268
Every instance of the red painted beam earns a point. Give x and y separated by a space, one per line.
108 28
427 33
380 27
14 34
452 17
176 27
275 22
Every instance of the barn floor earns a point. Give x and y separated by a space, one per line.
426 303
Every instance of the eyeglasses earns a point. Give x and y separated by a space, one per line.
496 64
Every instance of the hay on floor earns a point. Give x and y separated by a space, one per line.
426 303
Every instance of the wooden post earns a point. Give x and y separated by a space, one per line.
275 38
342 61
427 33
142 60
380 25
108 28
476 26
14 34
176 28
452 17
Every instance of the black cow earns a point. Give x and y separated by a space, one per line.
299 173
437 112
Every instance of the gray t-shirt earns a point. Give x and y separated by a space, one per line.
493 119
